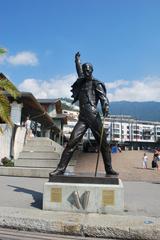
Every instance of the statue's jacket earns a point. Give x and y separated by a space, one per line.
88 93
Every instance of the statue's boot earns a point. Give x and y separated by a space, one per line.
57 171
60 170
111 172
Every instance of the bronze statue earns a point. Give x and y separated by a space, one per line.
88 91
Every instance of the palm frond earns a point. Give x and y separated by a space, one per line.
5 109
1 131
2 51
9 87
5 84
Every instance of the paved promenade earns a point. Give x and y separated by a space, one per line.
21 203
141 198
127 163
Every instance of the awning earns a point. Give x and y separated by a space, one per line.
33 109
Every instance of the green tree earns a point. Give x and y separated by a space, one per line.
6 85
2 51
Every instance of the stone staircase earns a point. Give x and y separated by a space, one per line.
39 152
39 156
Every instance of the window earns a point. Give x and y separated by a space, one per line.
116 135
115 130
136 132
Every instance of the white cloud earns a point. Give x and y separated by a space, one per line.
2 59
117 83
146 89
23 58
53 88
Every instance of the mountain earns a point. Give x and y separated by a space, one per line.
67 104
149 111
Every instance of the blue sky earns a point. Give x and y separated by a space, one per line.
121 38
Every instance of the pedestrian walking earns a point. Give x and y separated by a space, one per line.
155 160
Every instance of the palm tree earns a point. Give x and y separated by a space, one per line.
2 51
6 85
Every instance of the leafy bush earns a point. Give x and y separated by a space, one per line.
7 162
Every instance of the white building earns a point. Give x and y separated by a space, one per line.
127 129
67 129
123 129
71 114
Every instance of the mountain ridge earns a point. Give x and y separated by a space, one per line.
148 110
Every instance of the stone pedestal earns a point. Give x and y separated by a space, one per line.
70 193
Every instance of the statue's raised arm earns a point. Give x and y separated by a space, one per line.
78 65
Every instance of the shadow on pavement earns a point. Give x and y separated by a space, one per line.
144 168
37 196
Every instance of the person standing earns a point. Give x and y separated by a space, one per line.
28 127
88 91
155 160
145 159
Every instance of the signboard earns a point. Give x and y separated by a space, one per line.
108 197
56 195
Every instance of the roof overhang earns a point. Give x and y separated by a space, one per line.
56 102
34 109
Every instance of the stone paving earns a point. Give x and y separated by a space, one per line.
127 163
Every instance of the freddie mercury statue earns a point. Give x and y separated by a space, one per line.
88 91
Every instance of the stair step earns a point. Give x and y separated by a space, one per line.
38 143
29 172
39 163
39 148
39 155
